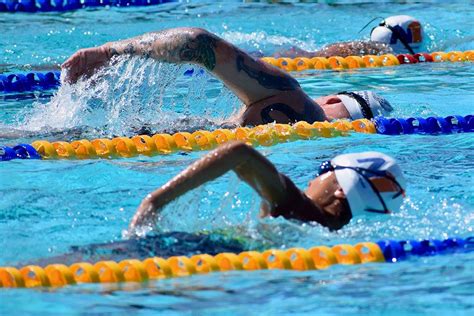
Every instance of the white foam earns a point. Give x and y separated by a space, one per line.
266 43
124 96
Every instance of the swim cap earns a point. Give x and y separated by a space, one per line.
385 191
364 104
402 32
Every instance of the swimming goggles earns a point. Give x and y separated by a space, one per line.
364 105
327 166
397 32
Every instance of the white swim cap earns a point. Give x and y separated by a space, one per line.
384 193
364 104
401 32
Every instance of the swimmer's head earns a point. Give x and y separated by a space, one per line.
364 104
402 33
366 183
354 105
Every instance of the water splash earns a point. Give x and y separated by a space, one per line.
266 44
132 94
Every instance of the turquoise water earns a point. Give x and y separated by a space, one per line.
48 206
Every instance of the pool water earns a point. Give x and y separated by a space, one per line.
48 206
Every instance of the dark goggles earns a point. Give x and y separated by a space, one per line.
397 31
399 34
327 166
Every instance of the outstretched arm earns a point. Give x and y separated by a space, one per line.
342 49
249 164
250 79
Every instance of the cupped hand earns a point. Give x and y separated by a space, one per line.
85 62
144 216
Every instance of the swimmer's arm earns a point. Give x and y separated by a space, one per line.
343 49
356 48
249 164
250 79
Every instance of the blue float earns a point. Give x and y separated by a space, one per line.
30 81
68 5
427 247
392 250
7 153
26 151
420 125
21 151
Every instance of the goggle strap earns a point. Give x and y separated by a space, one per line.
372 186
377 17
361 171
375 211
364 106
399 37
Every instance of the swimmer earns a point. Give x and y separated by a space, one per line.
400 34
345 187
268 93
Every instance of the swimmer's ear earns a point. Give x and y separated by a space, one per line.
339 193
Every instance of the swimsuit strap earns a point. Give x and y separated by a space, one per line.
397 32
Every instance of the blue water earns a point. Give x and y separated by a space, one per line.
48 206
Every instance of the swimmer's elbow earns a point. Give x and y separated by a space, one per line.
186 45
238 148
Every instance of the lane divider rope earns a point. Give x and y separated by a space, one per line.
159 144
40 81
37 81
32 6
430 125
367 61
155 268
261 135
29 81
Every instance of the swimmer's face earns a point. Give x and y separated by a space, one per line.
333 107
326 192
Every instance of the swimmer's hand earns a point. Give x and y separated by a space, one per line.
145 215
85 62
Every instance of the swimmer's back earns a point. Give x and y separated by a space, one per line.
160 245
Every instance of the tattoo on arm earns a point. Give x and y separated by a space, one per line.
113 51
129 49
200 50
174 45
309 114
147 47
282 83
